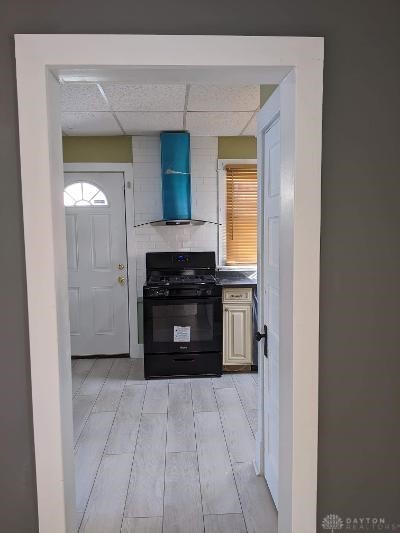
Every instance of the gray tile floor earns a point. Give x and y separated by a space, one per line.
170 456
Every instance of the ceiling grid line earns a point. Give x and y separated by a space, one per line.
248 123
103 94
186 105
120 108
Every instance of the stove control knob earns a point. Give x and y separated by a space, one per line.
209 292
166 292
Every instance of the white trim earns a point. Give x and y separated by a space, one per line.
221 188
268 59
135 349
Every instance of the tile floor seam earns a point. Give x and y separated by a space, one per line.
134 450
93 404
165 461
197 457
229 455
243 407
105 445
84 379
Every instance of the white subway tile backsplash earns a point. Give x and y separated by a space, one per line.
206 143
145 143
148 184
147 170
205 184
201 167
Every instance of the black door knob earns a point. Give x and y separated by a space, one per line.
260 336
264 335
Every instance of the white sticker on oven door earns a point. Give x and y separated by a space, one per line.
181 333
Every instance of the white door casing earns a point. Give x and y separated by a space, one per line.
97 268
258 59
269 144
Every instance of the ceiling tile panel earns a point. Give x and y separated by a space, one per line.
223 98
89 124
82 97
135 123
251 128
218 124
128 97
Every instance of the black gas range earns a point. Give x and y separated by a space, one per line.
182 315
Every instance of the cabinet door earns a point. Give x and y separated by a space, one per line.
237 334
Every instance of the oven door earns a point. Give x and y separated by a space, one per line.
182 325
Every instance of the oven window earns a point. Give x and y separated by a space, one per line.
191 322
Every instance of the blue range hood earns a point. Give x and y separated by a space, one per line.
175 174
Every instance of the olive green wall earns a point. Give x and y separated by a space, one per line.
237 147
119 149
265 93
98 149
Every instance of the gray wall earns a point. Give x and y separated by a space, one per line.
359 451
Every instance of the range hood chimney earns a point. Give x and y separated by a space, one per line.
176 181
175 175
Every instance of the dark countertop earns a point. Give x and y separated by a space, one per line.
233 278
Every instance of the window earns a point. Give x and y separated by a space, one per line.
240 214
82 194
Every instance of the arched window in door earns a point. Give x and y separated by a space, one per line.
83 194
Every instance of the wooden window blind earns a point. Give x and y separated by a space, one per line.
241 214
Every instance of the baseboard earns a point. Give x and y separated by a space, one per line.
101 356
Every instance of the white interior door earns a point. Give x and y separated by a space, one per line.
97 263
269 157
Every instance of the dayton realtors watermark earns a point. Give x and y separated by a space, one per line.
334 522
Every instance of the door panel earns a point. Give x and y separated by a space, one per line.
101 241
74 313
96 245
268 290
103 310
72 242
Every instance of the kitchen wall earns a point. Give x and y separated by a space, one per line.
118 149
107 149
237 147
359 431
144 151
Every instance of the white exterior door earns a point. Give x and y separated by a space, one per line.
269 157
97 263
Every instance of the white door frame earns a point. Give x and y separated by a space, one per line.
135 349
205 58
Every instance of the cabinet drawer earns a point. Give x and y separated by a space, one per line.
237 295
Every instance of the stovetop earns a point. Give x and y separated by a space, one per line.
172 274
180 279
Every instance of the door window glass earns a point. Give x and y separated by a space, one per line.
83 194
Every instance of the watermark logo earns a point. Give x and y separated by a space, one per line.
333 522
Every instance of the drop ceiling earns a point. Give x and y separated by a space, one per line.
110 108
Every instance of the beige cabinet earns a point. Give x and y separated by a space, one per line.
237 310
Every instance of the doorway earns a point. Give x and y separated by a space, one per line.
41 156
